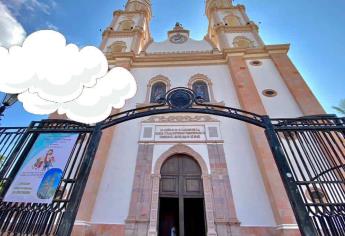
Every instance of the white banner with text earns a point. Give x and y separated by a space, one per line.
42 170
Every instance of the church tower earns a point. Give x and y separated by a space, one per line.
229 26
194 174
129 30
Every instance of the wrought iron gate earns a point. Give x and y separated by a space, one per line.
57 217
309 153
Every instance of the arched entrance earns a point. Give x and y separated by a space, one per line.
181 198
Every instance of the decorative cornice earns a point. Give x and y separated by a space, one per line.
180 119
186 59
176 57
121 12
119 55
236 29
112 33
278 48
228 8
178 52
268 49
209 11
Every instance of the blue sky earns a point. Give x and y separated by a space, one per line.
315 30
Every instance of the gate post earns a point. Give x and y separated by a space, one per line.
302 217
67 222
15 152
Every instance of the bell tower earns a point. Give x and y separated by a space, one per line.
139 5
230 27
129 30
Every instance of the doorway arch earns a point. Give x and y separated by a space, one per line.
181 149
181 198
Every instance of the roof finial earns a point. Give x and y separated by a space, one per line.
178 25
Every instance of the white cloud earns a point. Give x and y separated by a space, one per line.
11 31
56 71
31 5
94 104
36 105
51 76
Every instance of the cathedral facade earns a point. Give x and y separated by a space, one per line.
192 174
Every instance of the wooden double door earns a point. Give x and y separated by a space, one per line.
181 209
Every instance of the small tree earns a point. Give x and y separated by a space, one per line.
2 161
341 107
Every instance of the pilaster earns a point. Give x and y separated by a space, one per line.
250 101
224 206
94 181
138 219
304 97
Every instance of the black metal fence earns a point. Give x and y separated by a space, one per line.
314 149
43 219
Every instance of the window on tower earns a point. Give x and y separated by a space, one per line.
158 91
232 21
126 25
118 46
201 90
243 42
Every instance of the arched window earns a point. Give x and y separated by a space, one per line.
158 91
201 90
243 42
137 6
118 46
126 25
232 20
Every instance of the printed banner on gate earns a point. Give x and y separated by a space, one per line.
41 172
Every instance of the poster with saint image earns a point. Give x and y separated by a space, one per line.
42 170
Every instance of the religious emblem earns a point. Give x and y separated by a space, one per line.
178 39
180 98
